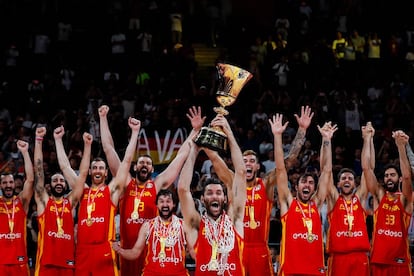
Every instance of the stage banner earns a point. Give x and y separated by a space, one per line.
162 146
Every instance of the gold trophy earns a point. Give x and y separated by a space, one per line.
231 81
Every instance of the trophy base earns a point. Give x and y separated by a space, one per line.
212 139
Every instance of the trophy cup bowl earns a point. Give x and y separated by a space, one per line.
231 81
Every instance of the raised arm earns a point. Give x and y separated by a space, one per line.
368 152
41 196
304 121
107 141
64 164
368 145
77 189
170 174
188 210
222 170
410 155
27 192
284 194
118 182
401 140
134 252
237 190
326 189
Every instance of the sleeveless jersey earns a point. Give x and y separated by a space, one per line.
102 227
129 227
172 260
262 207
342 238
390 235
229 253
145 195
297 254
13 235
54 248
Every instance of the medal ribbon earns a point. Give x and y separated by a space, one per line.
213 263
92 201
137 199
307 220
349 213
10 218
59 217
251 210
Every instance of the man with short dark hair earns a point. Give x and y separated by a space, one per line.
215 238
393 206
13 214
164 238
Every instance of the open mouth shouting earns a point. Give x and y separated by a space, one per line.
249 173
8 192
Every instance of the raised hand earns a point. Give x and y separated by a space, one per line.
103 110
194 115
59 132
87 138
222 122
23 146
276 123
40 132
134 124
327 130
305 118
401 139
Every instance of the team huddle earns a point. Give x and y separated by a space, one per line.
77 233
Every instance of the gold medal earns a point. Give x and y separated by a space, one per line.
11 225
60 232
350 219
59 222
161 255
89 208
213 264
308 223
252 223
134 215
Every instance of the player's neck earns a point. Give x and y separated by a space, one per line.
57 198
251 183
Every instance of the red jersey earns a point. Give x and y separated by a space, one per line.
170 261
258 206
347 227
147 209
12 232
301 246
390 235
144 197
56 247
218 239
100 226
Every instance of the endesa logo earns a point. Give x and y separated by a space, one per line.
59 236
304 236
10 236
93 220
390 233
166 260
136 221
349 234
221 267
